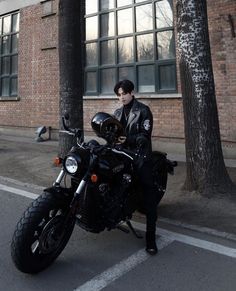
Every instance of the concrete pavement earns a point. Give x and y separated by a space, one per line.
25 161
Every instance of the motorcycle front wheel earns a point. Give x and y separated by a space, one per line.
42 233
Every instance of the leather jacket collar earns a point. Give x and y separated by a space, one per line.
133 115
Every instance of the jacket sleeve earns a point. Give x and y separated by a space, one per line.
146 123
144 127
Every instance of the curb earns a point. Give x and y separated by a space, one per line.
201 229
205 230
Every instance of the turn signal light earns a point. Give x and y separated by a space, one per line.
94 178
57 161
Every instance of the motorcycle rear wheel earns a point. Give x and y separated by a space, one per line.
41 234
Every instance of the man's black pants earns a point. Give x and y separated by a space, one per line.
149 195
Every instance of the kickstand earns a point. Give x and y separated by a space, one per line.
135 232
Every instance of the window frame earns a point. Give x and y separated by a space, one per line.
157 63
10 76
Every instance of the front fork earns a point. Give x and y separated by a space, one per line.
60 177
82 184
79 190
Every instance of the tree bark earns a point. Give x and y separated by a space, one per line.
206 171
71 64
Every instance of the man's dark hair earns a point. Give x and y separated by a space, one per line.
126 85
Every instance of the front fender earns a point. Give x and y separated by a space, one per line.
59 191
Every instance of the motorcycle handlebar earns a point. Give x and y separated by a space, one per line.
131 154
64 124
75 132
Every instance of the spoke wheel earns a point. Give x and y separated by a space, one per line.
42 233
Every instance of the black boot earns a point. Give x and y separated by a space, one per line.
151 246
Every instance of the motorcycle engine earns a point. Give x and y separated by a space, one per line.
102 206
114 199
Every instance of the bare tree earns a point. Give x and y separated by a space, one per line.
71 51
206 171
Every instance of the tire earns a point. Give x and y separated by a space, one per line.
41 234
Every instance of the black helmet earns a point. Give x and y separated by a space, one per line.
106 126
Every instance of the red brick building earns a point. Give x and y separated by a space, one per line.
118 47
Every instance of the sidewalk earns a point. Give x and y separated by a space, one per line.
30 162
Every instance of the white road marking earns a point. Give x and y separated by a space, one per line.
203 244
214 247
18 192
107 277
198 228
20 184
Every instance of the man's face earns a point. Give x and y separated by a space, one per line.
124 98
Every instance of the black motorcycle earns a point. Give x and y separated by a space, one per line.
103 194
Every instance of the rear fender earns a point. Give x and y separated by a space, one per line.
170 166
161 161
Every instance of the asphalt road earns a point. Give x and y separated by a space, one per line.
187 260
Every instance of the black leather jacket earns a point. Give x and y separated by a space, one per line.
139 126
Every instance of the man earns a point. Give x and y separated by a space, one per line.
137 121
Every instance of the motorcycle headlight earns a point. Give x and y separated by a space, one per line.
71 165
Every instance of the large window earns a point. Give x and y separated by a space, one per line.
130 39
9 34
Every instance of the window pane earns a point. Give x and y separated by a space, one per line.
125 21
91 82
92 28
14 64
146 78
144 20
6 44
126 73
123 2
47 7
15 22
167 77
14 86
106 4
6 65
91 6
164 13
7 24
108 52
107 24
166 45
14 43
91 54
107 80
125 50
145 49
0 25
5 87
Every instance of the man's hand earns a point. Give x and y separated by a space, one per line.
121 139
141 141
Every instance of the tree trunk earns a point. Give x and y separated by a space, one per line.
71 52
206 171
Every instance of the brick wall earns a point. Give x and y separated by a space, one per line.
38 83
223 47
39 77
